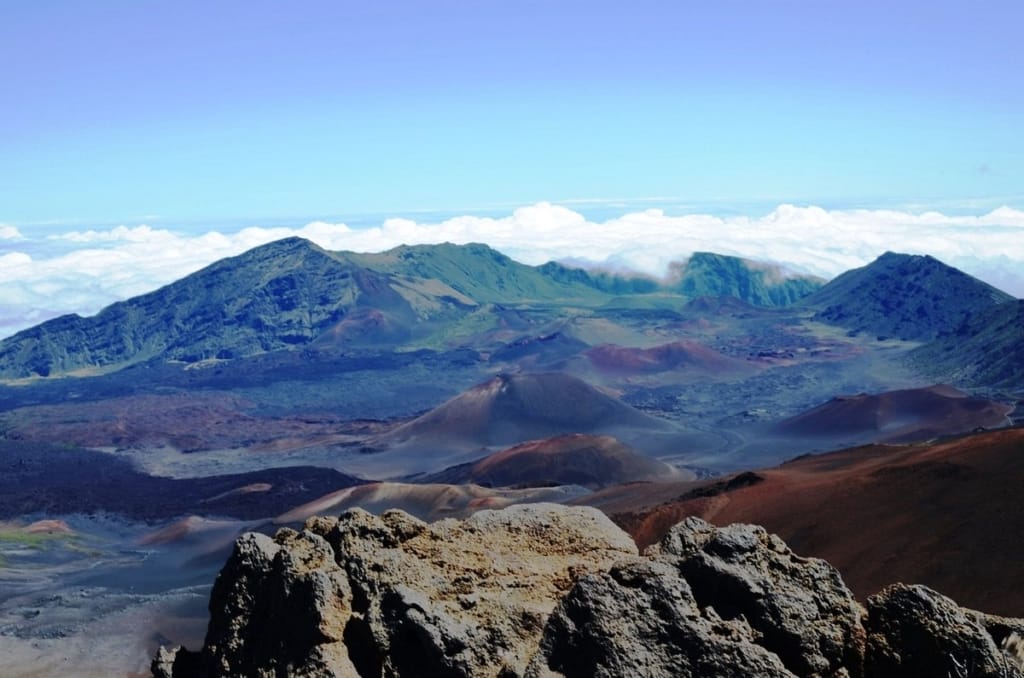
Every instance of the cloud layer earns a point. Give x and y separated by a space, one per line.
83 271
8 232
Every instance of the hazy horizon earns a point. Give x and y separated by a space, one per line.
82 271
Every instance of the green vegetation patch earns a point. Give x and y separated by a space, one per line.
16 538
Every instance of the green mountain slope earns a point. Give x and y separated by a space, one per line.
284 294
714 275
600 280
477 271
904 296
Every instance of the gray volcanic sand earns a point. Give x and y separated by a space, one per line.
98 603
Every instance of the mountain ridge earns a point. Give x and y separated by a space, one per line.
476 270
909 297
202 303
706 274
292 293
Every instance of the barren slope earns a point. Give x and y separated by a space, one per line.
512 408
898 416
684 355
948 515
576 459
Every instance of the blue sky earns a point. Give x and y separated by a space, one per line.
121 111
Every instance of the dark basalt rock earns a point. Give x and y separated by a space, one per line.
642 619
277 609
915 632
800 606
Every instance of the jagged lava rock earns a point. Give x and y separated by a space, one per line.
400 597
800 606
916 632
641 619
277 608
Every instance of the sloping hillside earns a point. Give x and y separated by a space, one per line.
916 513
477 271
679 355
512 408
604 281
987 350
576 459
904 296
714 275
898 416
281 295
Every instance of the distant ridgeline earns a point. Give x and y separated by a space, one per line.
292 293
972 333
901 296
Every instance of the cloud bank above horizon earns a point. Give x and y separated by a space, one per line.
84 271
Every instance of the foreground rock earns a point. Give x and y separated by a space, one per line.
799 606
364 595
642 619
545 590
915 631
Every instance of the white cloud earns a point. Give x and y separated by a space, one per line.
141 233
104 266
8 232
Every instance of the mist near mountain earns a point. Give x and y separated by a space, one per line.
82 271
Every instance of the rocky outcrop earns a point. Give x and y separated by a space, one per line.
642 619
800 606
914 631
545 591
362 595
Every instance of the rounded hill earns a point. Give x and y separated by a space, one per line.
575 459
509 409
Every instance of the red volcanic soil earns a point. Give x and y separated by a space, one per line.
899 416
194 528
577 459
48 526
677 355
949 515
